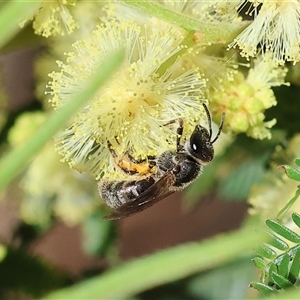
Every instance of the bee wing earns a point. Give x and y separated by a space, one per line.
158 191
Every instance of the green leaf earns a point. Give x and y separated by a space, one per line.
266 252
280 281
283 231
297 161
17 160
296 219
278 243
291 172
283 266
272 267
295 268
293 250
163 267
259 262
262 288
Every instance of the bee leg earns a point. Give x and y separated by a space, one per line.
127 154
135 161
128 164
151 160
179 131
112 151
110 147
114 154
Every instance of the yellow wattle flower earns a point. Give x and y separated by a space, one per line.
245 99
49 186
131 110
274 31
53 18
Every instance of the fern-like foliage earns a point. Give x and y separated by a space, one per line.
293 173
278 261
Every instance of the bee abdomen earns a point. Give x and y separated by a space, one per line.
116 193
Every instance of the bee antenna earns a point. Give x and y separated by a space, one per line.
220 127
209 119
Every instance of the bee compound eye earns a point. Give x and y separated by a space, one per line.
200 145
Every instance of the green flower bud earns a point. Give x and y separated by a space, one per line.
253 106
239 122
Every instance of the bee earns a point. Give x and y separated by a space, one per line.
160 176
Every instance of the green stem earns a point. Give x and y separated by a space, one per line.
288 205
207 32
18 159
163 267
10 16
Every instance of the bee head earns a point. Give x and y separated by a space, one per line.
200 144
